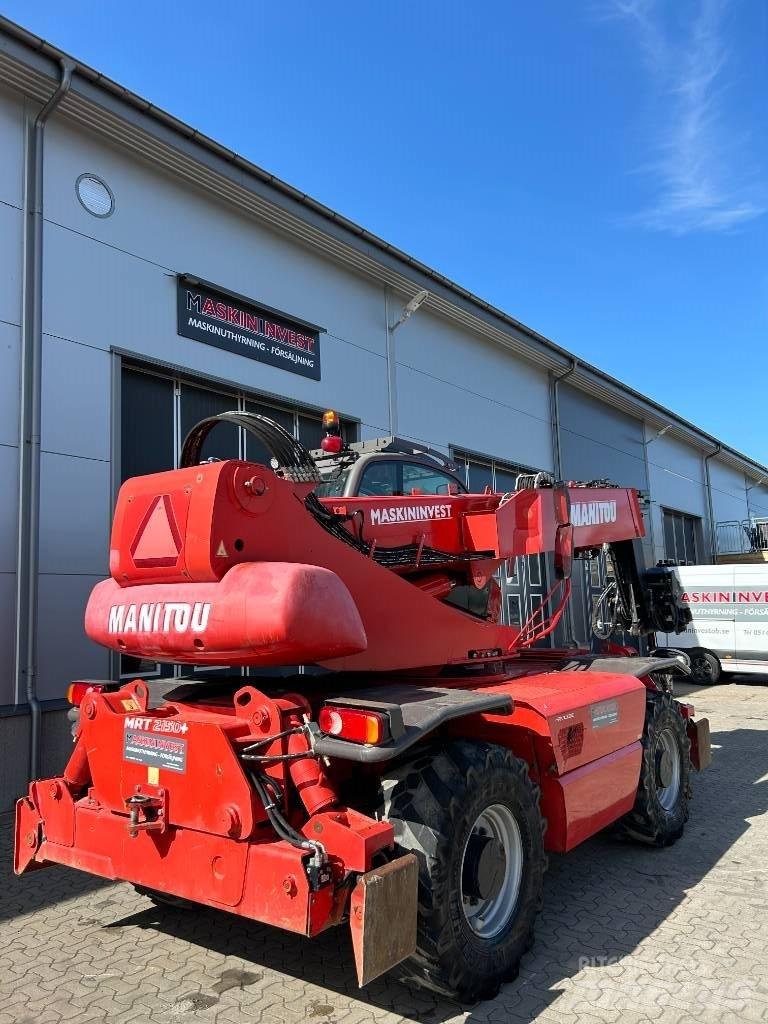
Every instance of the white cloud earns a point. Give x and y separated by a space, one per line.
699 163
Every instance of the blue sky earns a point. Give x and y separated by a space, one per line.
597 168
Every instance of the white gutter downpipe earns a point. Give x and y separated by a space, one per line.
555 403
28 558
710 506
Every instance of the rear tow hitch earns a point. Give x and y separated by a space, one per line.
147 813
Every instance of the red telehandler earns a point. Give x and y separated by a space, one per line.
409 778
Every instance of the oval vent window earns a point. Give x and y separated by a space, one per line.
95 195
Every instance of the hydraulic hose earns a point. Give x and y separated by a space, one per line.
283 828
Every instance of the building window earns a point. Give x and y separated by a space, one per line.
158 411
479 473
680 533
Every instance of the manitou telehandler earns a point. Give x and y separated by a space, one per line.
409 775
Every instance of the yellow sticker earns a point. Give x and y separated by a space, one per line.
221 551
130 704
153 775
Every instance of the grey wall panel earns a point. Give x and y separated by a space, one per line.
758 500
156 217
74 515
12 147
441 414
729 496
76 399
440 349
676 472
10 341
14 764
56 743
56 747
597 441
7 639
11 263
104 298
64 652
9 472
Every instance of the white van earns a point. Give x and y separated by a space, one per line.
729 629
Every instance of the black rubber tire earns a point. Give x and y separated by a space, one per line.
649 822
705 667
164 899
433 802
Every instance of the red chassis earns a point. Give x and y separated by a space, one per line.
233 794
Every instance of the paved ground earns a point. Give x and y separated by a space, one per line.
626 934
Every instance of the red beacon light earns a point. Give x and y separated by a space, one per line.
333 442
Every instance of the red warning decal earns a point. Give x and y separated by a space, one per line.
157 541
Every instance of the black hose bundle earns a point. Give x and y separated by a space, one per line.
293 460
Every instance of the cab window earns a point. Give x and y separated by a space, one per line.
419 479
379 479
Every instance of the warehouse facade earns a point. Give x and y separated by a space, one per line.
153 278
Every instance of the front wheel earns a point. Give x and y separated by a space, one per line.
664 789
470 813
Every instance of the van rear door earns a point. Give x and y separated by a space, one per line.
751 613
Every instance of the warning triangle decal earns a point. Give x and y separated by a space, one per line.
157 542
221 551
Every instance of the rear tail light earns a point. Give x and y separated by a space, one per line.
76 691
354 724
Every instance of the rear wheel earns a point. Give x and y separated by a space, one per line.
705 667
470 813
661 805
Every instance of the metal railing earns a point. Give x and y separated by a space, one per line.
742 538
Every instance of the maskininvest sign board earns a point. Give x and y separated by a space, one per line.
234 323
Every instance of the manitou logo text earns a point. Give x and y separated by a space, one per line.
592 513
159 617
409 513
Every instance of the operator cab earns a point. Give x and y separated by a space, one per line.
387 467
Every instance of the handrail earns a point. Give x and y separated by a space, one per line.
742 537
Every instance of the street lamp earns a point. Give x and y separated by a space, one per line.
410 308
657 435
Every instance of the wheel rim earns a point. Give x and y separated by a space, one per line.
668 770
491 870
702 668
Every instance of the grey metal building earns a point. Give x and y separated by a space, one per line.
152 277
